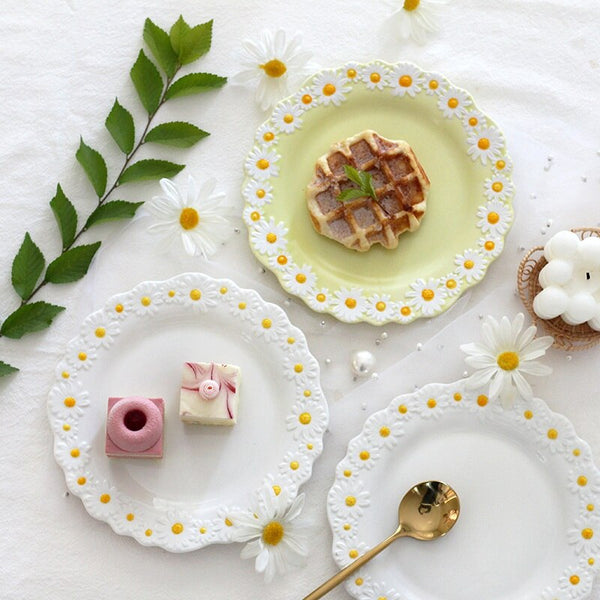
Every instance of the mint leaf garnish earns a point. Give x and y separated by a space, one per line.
363 180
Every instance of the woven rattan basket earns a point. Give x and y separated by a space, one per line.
568 337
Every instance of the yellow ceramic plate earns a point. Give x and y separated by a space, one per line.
468 209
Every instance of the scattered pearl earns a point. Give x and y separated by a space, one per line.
543 231
569 357
362 362
363 406
237 230
384 335
375 376
549 223
286 302
377 342
327 361
66 494
322 323
419 347
465 373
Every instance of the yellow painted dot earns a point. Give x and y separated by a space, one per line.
177 528
375 77
223 290
590 507
242 305
119 308
457 397
321 297
82 356
70 402
384 431
405 311
228 522
298 368
291 340
591 561
405 81
468 264
364 455
195 295
75 452
294 465
582 481
288 118
587 533
100 332
305 418
552 434
482 400
276 490
267 323
497 186
347 473
451 284
306 99
452 102
427 295
434 84
105 498
380 306
81 481
282 260
301 278
350 500
473 121
260 193
574 579
146 301
66 375
489 245
577 452
202 530
148 532
500 164
329 89
353 553
262 164
269 136
309 446
431 403
528 415
359 581
351 73
130 516
255 215
171 293
493 218
483 144
271 237
66 427
402 409
347 527
307 393
350 303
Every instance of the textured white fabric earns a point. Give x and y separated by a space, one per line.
532 65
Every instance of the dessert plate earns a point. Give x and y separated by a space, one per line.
137 345
469 206
529 527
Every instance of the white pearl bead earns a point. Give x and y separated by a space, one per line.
363 363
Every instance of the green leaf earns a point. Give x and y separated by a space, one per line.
364 181
195 83
94 166
117 209
29 318
6 369
120 125
147 81
368 184
195 43
353 175
27 267
177 34
65 215
176 133
145 170
160 45
351 194
72 264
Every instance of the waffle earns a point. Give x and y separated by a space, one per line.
400 184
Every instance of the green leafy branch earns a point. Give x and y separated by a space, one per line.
181 46
363 180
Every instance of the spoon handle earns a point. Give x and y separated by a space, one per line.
353 566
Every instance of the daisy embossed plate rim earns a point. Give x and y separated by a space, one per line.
137 345
529 492
469 205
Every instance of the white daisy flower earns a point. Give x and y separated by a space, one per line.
498 188
274 534
348 499
485 143
296 466
581 482
176 530
406 79
330 87
504 357
363 455
575 581
273 64
348 305
194 218
266 134
383 429
470 265
244 305
68 401
297 367
258 193
380 308
300 280
261 163
473 118
381 590
102 500
431 405
287 116
495 218
116 307
270 323
491 245
223 526
452 285
454 103
359 584
434 84
353 71
404 313
269 237
144 301
80 356
307 420
252 214
343 529
305 98
199 297
375 76
428 296
345 553
417 18
319 299
66 429
585 536
99 330
503 166
71 455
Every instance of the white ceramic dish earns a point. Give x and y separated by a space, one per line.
529 527
136 345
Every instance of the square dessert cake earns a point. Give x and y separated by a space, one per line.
209 393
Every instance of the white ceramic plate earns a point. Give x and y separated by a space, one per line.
469 206
136 345
529 527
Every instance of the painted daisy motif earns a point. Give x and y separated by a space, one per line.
585 536
258 193
363 455
319 300
287 116
295 465
268 237
504 357
306 420
348 304
252 214
330 87
498 188
102 500
272 64
296 367
343 529
485 144
454 103
427 296
434 84
383 429
97 330
270 323
266 134
200 298
261 163
144 301
177 530
381 590
71 455
452 285
503 166
470 265
380 308
300 280
353 71
495 218
68 401
81 356
406 79
273 532
404 313
417 18
491 245
375 77
472 119
344 553
575 581
194 218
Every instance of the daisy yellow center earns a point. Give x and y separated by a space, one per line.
483 144
508 361
274 68
350 303
405 81
329 89
493 218
273 533
469 264
427 294
411 4
189 218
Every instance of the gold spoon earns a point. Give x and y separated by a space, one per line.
428 511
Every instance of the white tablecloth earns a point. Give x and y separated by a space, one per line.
533 66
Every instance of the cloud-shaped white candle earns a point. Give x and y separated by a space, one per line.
570 280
